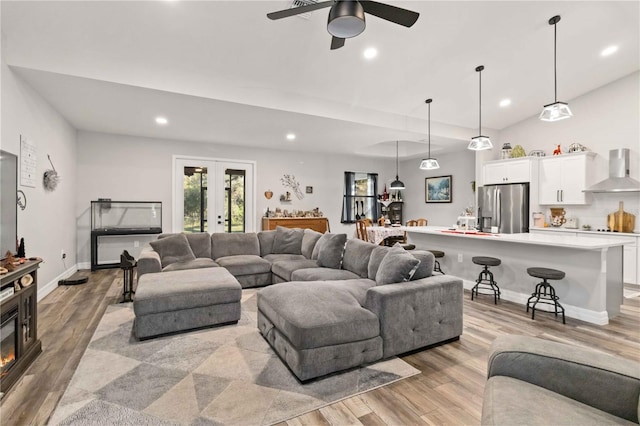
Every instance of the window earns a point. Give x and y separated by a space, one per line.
360 198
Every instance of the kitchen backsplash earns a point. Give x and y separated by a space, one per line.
596 213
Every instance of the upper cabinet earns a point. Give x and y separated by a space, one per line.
563 179
508 171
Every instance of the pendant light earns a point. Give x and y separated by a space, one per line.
429 163
397 184
480 142
557 110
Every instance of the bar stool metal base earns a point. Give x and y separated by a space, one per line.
127 264
545 293
487 284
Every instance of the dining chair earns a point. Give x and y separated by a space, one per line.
422 222
381 221
361 230
367 221
412 222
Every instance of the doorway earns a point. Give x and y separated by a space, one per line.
213 195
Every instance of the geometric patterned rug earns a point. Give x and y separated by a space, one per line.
221 375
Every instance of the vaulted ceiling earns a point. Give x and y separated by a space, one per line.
221 72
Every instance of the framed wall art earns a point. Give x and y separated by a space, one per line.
438 189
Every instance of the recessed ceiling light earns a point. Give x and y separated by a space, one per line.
161 120
609 51
370 53
290 136
505 102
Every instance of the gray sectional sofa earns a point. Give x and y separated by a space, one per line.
336 303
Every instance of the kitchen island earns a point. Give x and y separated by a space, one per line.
591 291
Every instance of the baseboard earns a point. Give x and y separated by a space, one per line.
51 285
84 265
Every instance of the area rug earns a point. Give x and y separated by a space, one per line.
221 375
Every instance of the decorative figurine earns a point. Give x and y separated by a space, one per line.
557 151
21 248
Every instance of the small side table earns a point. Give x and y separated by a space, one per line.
127 264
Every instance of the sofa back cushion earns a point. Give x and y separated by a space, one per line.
265 238
396 266
329 249
172 249
288 240
200 243
309 240
425 268
223 244
356 256
378 253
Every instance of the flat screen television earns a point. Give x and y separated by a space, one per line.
8 202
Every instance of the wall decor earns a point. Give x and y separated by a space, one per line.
268 194
28 162
438 189
50 178
309 190
289 181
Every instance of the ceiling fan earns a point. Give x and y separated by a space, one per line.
346 17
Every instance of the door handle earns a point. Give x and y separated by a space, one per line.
562 195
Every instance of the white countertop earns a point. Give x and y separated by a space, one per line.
582 231
543 239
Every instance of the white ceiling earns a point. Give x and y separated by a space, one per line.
222 72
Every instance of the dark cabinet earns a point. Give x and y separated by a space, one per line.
393 211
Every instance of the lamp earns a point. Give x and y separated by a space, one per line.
429 163
397 184
480 142
557 110
346 19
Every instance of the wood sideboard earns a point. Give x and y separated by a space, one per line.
320 224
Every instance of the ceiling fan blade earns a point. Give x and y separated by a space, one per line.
336 43
390 13
298 10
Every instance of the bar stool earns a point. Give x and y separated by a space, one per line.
485 279
127 264
436 266
545 293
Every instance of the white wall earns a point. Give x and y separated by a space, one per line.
48 223
461 166
604 119
140 169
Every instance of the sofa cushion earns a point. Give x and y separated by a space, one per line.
317 314
322 274
200 243
273 258
509 401
309 240
198 263
374 261
224 244
397 266
174 248
244 264
356 256
329 249
425 268
285 268
288 240
265 238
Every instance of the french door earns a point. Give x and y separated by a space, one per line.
213 195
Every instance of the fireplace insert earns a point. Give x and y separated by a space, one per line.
8 340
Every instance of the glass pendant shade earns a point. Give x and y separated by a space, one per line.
429 164
555 112
480 143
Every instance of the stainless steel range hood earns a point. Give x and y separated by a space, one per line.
618 180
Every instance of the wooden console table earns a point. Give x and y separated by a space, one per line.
19 324
320 224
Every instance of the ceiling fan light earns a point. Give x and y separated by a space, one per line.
480 143
429 164
346 19
397 184
555 112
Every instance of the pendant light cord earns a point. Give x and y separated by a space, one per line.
429 129
480 107
397 160
555 66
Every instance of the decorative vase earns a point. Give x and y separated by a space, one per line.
558 216
268 194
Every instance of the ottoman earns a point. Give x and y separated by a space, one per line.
167 302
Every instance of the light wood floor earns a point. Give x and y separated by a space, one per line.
449 390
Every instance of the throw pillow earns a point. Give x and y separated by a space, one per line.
425 268
397 266
309 240
377 255
330 250
173 249
288 240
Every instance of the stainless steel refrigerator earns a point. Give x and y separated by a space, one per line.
505 207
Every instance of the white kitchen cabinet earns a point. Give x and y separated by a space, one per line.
562 179
507 171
